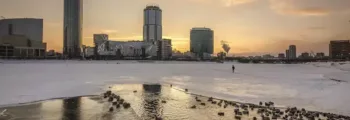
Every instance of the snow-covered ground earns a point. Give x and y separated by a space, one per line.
302 85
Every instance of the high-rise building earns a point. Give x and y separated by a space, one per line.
152 27
72 28
164 49
201 41
287 54
339 49
31 28
292 52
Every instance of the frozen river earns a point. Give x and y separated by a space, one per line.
314 86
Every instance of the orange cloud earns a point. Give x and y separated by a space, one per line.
287 7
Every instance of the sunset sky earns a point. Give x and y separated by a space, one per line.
251 27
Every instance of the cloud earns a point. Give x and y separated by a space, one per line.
226 3
229 3
317 28
109 31
289 7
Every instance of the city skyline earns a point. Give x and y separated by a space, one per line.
249 26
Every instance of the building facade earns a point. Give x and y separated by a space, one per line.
320 55
201 41
292 52
32 28
72 28
152 28
287 54
281 56
20 46
339 49
164 49
305 55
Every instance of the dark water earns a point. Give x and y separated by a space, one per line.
147 102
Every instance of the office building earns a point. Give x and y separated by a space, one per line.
201 41
281 56
339 49
267 56
164 49
319 55
305 55
287 54
152 28
72 28
32 28
20 46
292 52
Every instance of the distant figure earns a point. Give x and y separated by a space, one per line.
233 68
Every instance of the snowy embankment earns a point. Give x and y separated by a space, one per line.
302 85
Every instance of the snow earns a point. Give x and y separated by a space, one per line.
302 85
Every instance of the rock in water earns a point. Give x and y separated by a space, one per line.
135 91
115 103
186 90
203 104
221 113
111 109
110 99
238 117
163 101
193 107
126 105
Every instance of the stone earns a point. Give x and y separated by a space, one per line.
198 100
203 104
260 103
126 105
246 112
115 103
135 91
221 113
193 107
111 109
210 99
110 99
186 90
117 106
213 102
238 117
163 101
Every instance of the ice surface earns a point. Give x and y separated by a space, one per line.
302 85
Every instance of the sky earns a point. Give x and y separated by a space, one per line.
250 27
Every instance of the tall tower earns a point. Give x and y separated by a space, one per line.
292 51
72 27
152 28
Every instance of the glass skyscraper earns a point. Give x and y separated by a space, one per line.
152 28
201 41
72 27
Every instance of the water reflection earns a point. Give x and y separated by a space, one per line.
71 108
151 98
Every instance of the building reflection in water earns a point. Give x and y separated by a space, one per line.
71 108
151 101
